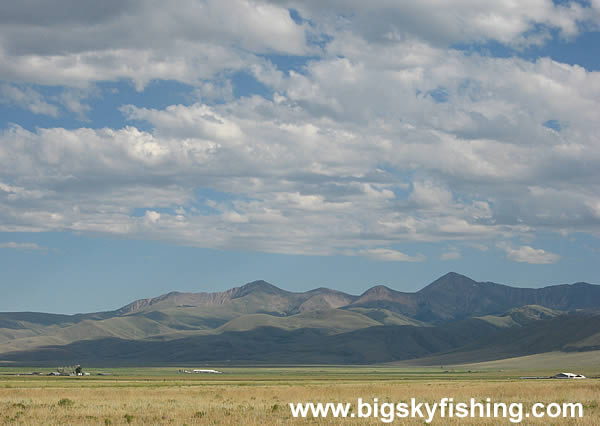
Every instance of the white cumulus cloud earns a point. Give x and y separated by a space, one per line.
21 246
527 254
383 135
452 254
390 255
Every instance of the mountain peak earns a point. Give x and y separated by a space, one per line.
257 286
451 281
453 276
382 294
378 290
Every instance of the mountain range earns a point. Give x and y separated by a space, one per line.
454 317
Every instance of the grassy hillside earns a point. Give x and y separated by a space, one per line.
523 315
330 320
271 344
386 317
565 333
458 342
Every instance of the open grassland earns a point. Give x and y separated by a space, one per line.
587 363
261 395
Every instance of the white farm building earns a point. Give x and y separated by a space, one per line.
568 376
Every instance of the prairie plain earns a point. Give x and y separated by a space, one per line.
261 395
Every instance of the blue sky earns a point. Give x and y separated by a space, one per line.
146 148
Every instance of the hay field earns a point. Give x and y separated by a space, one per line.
261 395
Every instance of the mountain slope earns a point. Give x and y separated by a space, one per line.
330 321
456 296
522 316
269 344
265 310
471 340
565 333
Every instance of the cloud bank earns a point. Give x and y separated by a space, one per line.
387 132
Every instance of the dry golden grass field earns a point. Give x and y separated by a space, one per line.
260 396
